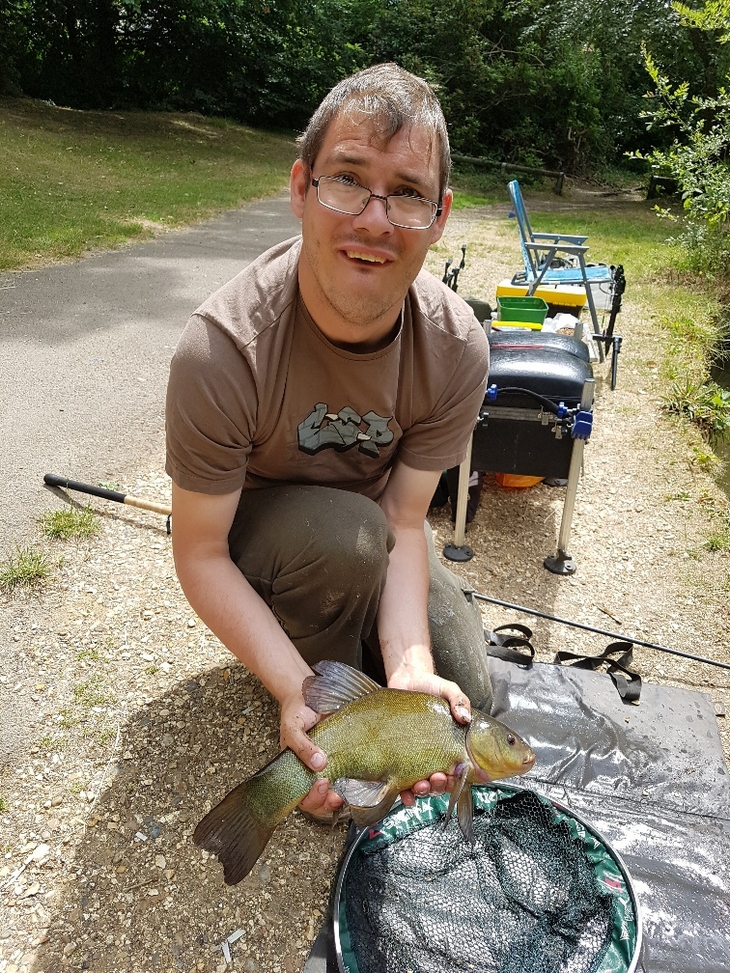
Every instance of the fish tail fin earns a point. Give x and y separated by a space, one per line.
233 833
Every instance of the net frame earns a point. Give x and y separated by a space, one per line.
625 959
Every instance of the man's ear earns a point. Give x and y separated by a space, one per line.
299 181
440 222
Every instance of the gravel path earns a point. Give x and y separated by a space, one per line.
136 720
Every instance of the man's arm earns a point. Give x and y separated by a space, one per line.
234 612
403 614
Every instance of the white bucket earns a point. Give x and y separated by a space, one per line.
602 292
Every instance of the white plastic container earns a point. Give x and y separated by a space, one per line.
602 292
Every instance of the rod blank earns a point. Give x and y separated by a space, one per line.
600 631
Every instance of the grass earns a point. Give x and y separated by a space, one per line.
27 568
87 694
91 693
704 404
107 736
632 236
70 522
73 181
90 655
719 540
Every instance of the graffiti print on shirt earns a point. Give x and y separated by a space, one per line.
342 430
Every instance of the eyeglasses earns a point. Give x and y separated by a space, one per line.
344 195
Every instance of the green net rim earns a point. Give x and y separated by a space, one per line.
624 951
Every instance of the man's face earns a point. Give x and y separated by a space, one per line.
354 271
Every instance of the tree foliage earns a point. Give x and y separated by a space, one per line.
695 113
545 82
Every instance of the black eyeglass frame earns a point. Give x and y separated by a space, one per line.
402 226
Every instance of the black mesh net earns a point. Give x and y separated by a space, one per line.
527 897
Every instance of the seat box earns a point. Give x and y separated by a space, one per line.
516 433
537 342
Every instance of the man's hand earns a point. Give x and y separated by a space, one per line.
423 681
428 682
296 719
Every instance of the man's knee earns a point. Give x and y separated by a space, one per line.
327 599
293 520
362 544
313 552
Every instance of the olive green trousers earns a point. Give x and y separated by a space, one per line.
319 556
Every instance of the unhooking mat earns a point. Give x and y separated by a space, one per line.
651 778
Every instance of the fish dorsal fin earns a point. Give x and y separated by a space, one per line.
334 685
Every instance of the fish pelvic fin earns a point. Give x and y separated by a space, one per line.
361 793
234 834
334 685
465 814
462 798
368 800
366 817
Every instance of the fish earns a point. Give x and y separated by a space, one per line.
378 742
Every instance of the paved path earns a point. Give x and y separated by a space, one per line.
84 355
85 349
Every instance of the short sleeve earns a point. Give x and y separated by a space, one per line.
210 411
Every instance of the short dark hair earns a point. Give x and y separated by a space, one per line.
394 99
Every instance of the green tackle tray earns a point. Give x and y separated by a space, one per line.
522 312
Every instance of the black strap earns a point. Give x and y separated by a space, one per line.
625 679
503 644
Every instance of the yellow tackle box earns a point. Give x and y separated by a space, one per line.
565 299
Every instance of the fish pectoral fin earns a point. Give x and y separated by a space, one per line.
461 797
334 685
361 793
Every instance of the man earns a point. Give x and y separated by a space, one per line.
313 402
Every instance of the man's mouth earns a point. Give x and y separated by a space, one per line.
369 257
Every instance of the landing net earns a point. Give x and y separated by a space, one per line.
539 892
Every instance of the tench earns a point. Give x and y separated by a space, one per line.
378 742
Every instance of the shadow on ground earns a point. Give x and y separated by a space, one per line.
137 883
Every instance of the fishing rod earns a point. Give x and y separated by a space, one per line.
623 637
53 479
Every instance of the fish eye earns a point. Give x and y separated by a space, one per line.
511 739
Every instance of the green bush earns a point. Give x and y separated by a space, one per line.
697 114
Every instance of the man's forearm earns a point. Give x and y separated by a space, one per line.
403 614
234 612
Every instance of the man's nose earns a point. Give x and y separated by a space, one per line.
375 216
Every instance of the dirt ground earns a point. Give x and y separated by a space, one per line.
138 719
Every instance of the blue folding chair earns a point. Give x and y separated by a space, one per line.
543 254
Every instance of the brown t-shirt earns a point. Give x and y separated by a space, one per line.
258 396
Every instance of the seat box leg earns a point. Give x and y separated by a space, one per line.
562 562
458 550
